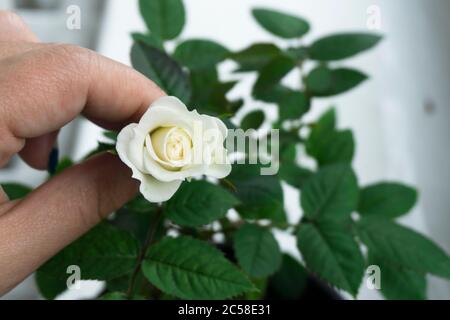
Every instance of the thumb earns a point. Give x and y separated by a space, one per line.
58 212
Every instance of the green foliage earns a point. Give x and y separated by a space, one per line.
294 175
403 247
342 46
281 24
256 250
290 281
256 56
162 69
103 253
138 259
399 283
49 286
325 82
191 269
293 105
253 120
15 191
386 199
331 193
326 247
198 203
267 86
200 54
164 18
261 196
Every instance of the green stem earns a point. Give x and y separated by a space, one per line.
142 254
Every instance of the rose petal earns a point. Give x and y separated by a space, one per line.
158 191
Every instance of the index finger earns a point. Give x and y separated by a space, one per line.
48 87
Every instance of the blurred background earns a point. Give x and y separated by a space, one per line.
401 117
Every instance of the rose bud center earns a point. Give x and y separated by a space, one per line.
172 145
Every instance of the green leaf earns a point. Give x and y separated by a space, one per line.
49 286
114 296
149 39
140 205
330 251
255 57
164 18
253 120
325 82
290 281
197 54
293 105
191 269
341 46
332 193
162 69
331 147
256 250
294 175
387 199
281 24
261 196
402 246
16 191
103 253
198 203
267 87
399 283
63 164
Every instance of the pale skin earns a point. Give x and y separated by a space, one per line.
42 88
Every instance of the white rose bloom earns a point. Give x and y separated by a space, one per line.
171 144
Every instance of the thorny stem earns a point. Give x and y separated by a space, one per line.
148 241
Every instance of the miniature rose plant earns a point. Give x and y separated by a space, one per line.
197 231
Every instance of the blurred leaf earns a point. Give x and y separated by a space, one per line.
255 57
164 18
293 105
331 193
256 250
294 175
191 269
324 82
399 283
387 199
200 54
281 24
330 251
322 128
198 203
119 296
341 46
112 135
149 39
103 253
299 54
162 69
290 281
402 246
49 286
253 120
140 205
331 147
16 191
63 164
261 195
267 86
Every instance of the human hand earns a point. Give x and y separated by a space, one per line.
42 88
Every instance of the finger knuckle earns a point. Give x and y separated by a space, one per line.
11 18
